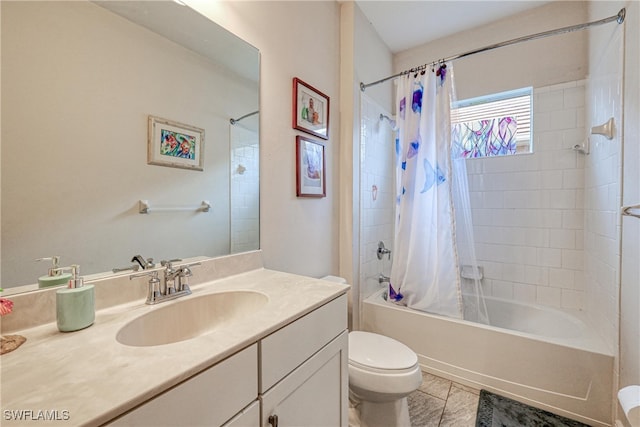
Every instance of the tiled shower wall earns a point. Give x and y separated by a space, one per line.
603 171
528 209
376 194
245 189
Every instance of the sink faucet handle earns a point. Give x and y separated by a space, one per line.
133 267
191 264
184 274
55 264
144 263
170 275
168 263
183 278
153 293
55 260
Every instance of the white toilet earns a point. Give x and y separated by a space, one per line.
382 373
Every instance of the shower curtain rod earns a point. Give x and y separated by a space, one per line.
234 121
618 18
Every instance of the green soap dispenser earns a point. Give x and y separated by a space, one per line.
75 305
54 276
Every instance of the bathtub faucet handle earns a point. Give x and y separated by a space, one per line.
382 251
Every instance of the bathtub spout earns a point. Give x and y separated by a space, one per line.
383 279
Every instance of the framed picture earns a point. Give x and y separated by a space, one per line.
174 144
310 168
310 109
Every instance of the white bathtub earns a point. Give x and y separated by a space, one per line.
537 355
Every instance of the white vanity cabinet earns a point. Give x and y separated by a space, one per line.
296 376
209 398
304 378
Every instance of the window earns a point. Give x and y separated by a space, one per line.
493 125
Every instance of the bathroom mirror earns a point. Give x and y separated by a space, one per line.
80 81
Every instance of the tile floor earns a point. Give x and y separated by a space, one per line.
443 403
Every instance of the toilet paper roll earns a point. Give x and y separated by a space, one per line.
629 398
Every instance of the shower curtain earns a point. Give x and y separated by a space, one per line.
426 269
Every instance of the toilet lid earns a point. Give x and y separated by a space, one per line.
380 352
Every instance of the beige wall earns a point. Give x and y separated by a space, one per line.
295 39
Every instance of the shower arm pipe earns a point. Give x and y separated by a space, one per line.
619 18
234 121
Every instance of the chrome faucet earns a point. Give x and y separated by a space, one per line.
181 274
382 251
383 279
145 264
158 293
170 275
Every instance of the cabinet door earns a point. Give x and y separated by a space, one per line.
314 394
207 399
249 417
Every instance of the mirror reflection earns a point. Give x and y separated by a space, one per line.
79 83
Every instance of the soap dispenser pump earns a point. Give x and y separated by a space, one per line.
55 275
75 305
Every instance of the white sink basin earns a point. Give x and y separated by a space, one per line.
190 318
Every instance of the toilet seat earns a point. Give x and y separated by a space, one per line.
379 353
365 368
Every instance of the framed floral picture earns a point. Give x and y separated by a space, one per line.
310 109
175 144
310 168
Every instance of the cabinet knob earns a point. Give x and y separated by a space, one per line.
273 420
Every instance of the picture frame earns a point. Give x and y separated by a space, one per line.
175 144
310 109
310 168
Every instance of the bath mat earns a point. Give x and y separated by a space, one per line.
498 411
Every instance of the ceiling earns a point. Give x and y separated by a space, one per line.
406 24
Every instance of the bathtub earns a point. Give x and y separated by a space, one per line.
537 355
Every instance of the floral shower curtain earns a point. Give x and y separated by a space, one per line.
425 273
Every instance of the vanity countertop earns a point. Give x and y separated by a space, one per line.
88 378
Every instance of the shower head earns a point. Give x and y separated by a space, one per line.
392 122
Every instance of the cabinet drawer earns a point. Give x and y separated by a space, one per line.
287 348
249 417
194 401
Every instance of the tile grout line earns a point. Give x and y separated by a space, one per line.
445 403
443 421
